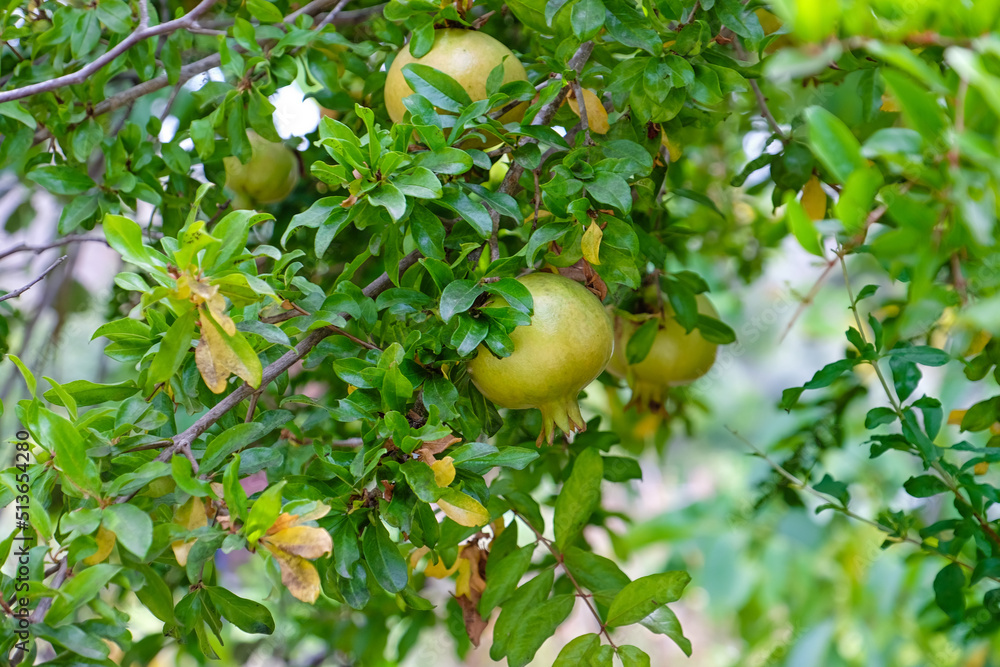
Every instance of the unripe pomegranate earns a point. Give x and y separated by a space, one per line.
267 178
567 345
468 57
676 358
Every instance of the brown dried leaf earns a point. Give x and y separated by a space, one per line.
474 623
430 448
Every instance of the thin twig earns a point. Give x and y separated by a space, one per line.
579 589
21 290
582 107
830 500
66 240
143 32
332 14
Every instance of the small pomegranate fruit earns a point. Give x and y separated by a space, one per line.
468 57
267 178
676 358
567 345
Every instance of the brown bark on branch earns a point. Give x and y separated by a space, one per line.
143 32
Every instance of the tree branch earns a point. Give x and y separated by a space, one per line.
201 66
183 441
143 32
544 116
21 290
38 249
835 504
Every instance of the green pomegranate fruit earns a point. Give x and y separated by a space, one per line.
567 345
468 57
267 178
676 358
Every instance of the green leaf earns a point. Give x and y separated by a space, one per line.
611 189
527 597
183 473
233 492
924 355
593 572
878 416
949 591
925 486
132 526
579 497
504 578
237 437
982 415
834 145
174 347
458 297
641 341
442 90
125 236
514 293
856 198
85 392
920 107
632 656
389 197
383 558
802 226
587 18
537 625
247 615
264 11
826 375
80 589
832 487
663 621
263 513
577 651
61 180
644 595
58 435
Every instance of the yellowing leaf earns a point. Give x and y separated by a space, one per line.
673 149
191 515
444 471
591 243
956 416
889 104
541 214
439 571
814 199
305 541
220 353
464 510
105 543
297 574
597 117
464 578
